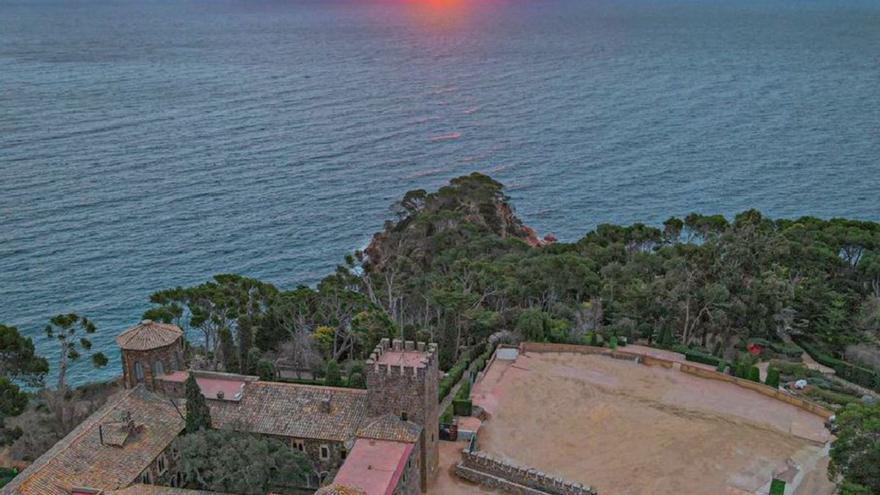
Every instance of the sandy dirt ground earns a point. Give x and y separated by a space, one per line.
446 482
629 429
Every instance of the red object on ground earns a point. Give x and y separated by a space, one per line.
374 466
755 349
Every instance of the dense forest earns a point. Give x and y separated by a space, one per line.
459 268
456 266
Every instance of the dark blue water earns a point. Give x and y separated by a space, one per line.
147 144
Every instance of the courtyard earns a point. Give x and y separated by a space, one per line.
629 429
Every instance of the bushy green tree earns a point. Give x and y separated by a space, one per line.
198 414
231 462
855 455
18 359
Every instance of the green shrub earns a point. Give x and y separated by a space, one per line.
787 350
722 366
772 377
613 342
856 374
777 487
754 374
831 397
699 357
462 407
6 475
594 339
742 370
447 416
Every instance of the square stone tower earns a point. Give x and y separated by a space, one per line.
403 380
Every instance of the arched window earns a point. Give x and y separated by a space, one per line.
138 371
158 368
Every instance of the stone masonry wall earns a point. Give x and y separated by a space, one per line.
413 390
491 472
171 357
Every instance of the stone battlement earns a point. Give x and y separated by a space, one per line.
399 357
483 468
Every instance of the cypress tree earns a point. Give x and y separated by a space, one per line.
246 344
334 377
198 415
754 374
229 352
772 377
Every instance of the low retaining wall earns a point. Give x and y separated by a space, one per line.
483 468
685 368
760 388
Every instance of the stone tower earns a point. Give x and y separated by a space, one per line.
402 379
149 350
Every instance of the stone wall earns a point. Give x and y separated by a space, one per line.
171 357
489 471
410 389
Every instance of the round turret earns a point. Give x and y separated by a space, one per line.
150 349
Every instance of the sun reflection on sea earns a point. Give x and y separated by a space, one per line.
440 12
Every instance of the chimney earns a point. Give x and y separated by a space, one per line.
404 416
101 433
325 405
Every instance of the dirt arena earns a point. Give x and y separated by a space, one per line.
628 429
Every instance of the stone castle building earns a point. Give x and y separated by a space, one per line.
382 440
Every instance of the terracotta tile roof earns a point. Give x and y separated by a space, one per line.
81 460
148 335
390 427
337 489
293 410
140 489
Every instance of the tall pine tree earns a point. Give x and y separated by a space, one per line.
198 415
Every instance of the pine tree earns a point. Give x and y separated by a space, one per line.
198 415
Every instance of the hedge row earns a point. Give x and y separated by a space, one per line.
454 375
850 372
699 357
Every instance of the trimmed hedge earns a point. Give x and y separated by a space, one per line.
462 407
454 375
856 374
6 475
777 487
699 357
754 374
772 377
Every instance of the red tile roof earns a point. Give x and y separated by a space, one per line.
374 466
80 460
148 335
293 410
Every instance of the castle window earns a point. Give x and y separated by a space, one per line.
175 362
138 372
161 463
147 477
325 452
158 368
299 445
343 454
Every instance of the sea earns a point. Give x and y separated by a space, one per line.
154 143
